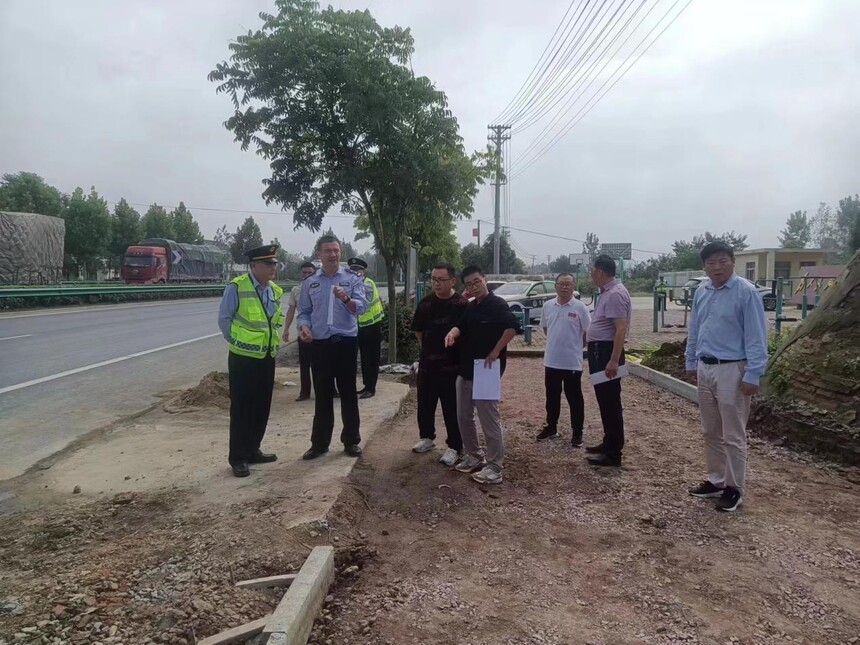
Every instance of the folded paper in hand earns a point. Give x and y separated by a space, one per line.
487 383
600 377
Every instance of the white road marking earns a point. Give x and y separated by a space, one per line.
86 368
80 310
14 337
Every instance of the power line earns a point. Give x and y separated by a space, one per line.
226 210
563 237
595 99
539 85
575 76
520 93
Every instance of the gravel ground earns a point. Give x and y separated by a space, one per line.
559 553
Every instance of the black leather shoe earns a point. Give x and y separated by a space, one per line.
241 469
595 450
303 397
367 394
353 451
576 441
362 390
313 453
603 460
262 458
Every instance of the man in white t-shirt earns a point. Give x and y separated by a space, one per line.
564 320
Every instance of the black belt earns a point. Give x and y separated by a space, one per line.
710 360
336 338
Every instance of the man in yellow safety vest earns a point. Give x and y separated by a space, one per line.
369 331
250 317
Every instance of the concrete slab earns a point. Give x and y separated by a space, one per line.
682 389
189 451
267 582
236 634
292 620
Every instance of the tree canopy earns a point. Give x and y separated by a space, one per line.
329 98
156 222
88 229
482 256
126 229
246 237
797 232
27 192
185 229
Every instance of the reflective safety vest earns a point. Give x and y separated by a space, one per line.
253 333
375 312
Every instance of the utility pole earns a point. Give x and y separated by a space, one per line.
499 134
479 234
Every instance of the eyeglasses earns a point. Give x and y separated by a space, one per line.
439 280
718 263
473 283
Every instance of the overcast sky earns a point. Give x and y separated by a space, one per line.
744 111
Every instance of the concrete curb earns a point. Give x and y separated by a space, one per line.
293 618
684 390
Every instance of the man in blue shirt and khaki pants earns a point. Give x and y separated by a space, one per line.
727 352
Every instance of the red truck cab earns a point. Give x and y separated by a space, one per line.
144 265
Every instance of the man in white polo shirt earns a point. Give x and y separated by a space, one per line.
565 321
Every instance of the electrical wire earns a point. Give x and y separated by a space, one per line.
598 96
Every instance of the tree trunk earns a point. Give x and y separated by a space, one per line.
391 271
819 365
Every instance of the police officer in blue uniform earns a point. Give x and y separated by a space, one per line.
250 317
329 305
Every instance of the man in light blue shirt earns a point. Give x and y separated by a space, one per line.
727 352
329 305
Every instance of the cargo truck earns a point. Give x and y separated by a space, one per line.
159 261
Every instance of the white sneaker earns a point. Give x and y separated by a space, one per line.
469 464
450 457
425 445
489 475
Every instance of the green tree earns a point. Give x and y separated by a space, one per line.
848 221
126 230
797 232
472 254
157 223
88 229
27 192
591 245
185 229
561 264
329 99
246 237
223 237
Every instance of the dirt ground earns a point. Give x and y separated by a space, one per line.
559 553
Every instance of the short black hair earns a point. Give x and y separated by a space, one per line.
605 263
563 275
716 247
308 265
326 239
471 270
446 266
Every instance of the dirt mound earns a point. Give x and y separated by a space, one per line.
669 359
213 391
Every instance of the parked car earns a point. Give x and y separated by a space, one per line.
532 295
690 286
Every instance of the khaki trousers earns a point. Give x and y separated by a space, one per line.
725 412
491 424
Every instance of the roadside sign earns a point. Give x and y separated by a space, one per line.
622 250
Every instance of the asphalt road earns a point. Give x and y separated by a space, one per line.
66 372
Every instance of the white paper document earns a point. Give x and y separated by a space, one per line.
487 384
600 377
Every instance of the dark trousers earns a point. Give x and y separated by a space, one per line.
251 384
608 398
571 381
305 369
432 388
333 361
370 345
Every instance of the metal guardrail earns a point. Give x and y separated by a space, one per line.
56 291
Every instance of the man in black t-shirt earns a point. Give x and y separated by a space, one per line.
435 316
488 325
